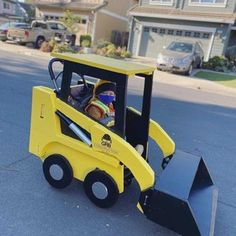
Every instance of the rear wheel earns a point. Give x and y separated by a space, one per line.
39 41
57 171
101 189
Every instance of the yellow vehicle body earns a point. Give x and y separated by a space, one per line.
183 198
46 139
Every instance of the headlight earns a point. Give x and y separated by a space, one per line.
186 60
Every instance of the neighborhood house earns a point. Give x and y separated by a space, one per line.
99 18
156 23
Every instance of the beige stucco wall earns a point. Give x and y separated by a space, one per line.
105 24
120 7
112 17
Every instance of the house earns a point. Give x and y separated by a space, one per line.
11 10
156 23
98 17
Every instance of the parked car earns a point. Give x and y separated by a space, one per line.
39 32
5 27
181 57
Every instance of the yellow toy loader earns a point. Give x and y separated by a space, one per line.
106 158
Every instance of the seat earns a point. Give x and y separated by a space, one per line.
80 96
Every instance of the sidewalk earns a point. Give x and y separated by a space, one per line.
186 81
159 76
24 50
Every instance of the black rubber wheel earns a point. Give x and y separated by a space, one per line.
128 177
189 71
57 171
199 66
128 182
101 189
39 41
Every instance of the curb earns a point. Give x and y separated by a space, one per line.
194 83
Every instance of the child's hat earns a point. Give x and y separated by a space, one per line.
104 85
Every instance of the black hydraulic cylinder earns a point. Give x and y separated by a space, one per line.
74 128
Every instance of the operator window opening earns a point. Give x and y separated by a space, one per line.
95 97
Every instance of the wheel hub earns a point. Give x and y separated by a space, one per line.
99 190
56 172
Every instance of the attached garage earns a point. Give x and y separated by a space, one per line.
154 37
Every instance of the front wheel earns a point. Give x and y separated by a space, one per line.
189 71
39 41
199 66
101 189
57 171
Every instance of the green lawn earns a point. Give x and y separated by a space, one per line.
227 80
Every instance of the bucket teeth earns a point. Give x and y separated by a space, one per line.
184 198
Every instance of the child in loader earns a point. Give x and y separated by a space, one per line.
100 106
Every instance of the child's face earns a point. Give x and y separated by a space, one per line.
109 93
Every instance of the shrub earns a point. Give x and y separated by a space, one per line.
217 63
46 47
60 48
102 43
105 48
85 39
86 43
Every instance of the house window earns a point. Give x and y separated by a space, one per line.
146 29
161 2
187 34
170 32
206 35
179 32
196 35
154 30
162 31
6 5
208 2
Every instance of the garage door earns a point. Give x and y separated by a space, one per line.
154 39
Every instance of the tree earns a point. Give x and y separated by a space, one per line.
70 20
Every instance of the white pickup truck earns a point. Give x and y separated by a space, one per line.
39 32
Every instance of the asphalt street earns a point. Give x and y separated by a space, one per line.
199 122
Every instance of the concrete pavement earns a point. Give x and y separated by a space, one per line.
198 121
159 76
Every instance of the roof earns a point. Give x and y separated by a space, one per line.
173 13
71 6
106 63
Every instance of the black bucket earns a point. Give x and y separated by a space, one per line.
184 198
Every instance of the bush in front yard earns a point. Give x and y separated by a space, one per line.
62 47
105 48
53 46
232 63
46 47
85 40
217 63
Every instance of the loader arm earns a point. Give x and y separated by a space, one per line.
159 135
161 138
